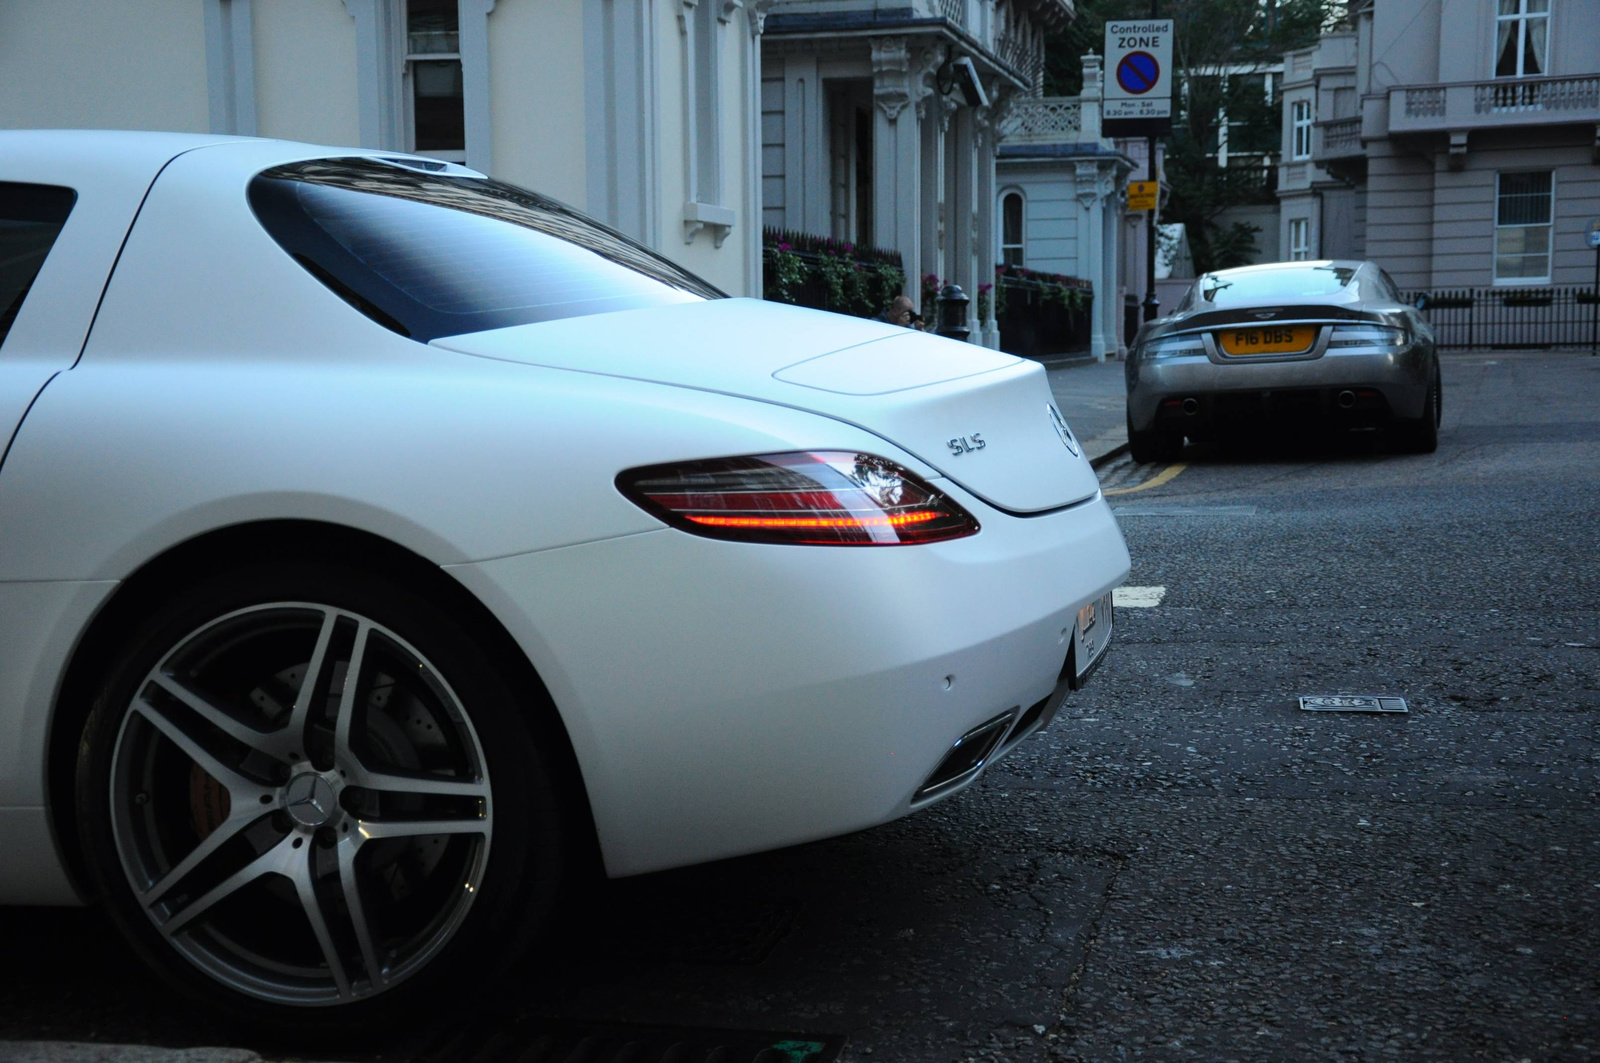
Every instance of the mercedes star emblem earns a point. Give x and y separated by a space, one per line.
1062 430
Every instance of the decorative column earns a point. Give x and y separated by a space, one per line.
1091 250
932 114
1105 326
478 118
230 67
896 154
963 207
755 12
987 120
1108 307
380 55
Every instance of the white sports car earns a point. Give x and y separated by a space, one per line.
382 545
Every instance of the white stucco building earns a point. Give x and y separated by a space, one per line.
643 113
880 124
1060 199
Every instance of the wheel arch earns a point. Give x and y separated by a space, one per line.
224 548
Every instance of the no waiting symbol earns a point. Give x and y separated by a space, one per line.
1138 72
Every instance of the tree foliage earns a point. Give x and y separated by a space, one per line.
1210 36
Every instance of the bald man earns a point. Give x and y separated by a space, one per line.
901 312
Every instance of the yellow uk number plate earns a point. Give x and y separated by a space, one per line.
1282 340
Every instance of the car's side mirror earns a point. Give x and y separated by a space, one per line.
1422 301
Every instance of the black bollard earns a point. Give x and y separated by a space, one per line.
953 312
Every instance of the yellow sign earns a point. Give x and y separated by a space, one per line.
1142 194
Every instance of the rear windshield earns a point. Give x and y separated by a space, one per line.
31 217
431 255
1272 285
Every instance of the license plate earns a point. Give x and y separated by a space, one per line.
1282 340
1092 633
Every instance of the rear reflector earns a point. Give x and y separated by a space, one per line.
815 498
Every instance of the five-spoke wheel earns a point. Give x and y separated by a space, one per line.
295 799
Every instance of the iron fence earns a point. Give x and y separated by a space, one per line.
1478 318
1043 316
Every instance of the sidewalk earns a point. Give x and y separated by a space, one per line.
1092 396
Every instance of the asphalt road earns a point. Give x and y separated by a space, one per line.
1187 866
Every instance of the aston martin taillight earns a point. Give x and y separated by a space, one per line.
817 498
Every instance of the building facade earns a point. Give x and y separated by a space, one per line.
643 113
1455 142
880 125
1061 200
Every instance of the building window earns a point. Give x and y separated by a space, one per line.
436 118
1011 229
1521 40
1522 227
1300 120
1299 239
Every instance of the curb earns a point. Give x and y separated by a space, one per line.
1063 361
1109 456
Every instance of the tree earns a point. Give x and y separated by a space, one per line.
1212 40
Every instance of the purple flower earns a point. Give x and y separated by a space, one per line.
785 247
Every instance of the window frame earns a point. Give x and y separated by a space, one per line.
1301 251
1522 19
1021 244
1548 224
408 88
1300 122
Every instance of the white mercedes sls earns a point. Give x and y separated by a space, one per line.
382 545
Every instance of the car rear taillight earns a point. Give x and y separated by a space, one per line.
818 498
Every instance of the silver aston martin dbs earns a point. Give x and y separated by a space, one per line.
1281 344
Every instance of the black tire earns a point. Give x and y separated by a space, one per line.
1154 446
1421 436
435 729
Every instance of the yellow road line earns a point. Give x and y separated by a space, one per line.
1165 476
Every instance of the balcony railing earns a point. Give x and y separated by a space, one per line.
1520 97
1468 105
1045 120
954 10
1339 138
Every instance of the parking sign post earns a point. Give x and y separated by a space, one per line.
1138 102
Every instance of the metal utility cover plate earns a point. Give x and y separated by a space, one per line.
1352 703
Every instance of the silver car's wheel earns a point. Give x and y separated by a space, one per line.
289 803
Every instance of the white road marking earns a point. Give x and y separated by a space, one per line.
1138 597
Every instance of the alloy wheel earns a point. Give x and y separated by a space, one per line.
300 804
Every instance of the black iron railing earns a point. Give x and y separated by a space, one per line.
1042 313
1478 318
828 274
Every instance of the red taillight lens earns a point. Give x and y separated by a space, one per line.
819 498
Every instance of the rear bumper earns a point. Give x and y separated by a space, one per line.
724 698
1237 394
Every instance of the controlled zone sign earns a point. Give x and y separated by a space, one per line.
1142 195
1138 87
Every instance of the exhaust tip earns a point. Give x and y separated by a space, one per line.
1346 399
1191 406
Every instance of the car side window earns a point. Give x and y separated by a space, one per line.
31 217
1388 281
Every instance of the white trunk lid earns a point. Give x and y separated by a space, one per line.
919 391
